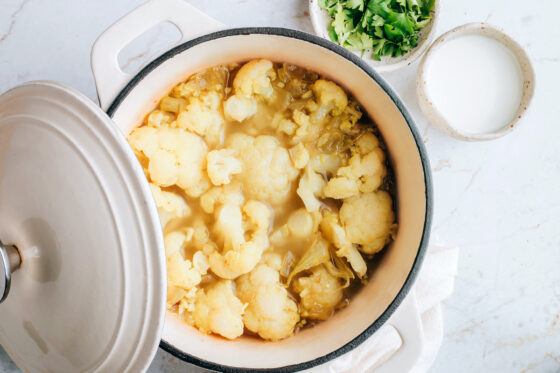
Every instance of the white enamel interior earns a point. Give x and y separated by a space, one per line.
88 296
396 263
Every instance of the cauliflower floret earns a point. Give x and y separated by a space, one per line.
175 241
320 293
312 183
159 118
340 188
300 223
240 108
310 189
325 164
364 173
200 262
272 259
186 239
200 233
221 165
270 312
218 310
240 256
330 99
369 220
181 273
268 172
299 155
174 295
300 226
333 231
186 305
287 126
203 117
254 78
229 226
176 157
142 140
226 194
170 205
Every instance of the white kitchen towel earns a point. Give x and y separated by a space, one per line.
434 284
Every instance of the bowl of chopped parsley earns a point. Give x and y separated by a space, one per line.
388 34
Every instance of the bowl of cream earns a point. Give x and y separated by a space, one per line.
475 83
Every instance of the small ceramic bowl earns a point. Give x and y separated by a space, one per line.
321 20
437 118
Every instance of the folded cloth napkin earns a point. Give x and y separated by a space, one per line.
434 284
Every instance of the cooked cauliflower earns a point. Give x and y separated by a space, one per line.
300 156
364 173
203 116
159 118
301 223
300 226
286 201
333 231
330 99
240 108
239 255
268 172
226 194
174 295
310 189
320 293
218 310
270 312
312 183
221 165
369 220
176 157
170 205
181 273
175 241
272 259
186 305
254 78
144 140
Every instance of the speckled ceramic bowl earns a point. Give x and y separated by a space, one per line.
438 119
321 20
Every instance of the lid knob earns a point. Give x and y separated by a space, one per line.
10 261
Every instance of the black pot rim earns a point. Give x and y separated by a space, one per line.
419 144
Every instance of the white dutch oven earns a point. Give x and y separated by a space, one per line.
90 292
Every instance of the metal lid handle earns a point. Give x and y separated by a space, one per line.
10 261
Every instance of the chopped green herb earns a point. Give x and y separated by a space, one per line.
387 27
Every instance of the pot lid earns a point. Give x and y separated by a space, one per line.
89 295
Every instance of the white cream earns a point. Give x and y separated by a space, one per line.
476 83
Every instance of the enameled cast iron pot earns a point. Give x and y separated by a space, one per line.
90 293
128 100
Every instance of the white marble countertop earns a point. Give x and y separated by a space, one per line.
498 201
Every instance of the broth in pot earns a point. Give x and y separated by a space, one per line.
273 194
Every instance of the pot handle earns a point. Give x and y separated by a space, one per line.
406 320
109 78
10 261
